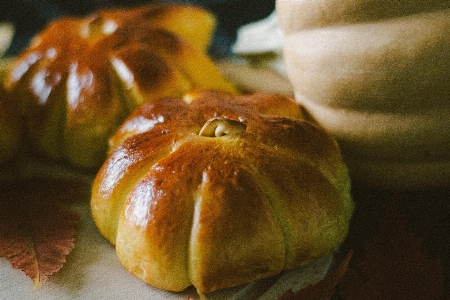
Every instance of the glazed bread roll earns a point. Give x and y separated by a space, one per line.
376 75
217 191
80 78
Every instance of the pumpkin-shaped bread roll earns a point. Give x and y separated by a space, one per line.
219 190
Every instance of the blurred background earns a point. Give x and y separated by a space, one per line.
31 16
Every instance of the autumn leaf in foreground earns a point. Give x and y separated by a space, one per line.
37 227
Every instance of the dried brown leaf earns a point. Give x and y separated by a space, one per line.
37 227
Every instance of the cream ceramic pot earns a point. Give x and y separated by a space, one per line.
376 74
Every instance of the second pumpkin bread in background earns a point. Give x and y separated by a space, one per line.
80 78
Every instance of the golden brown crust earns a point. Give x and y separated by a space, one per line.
190 22
184 208
81 77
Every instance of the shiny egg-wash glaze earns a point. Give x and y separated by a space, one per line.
216 210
